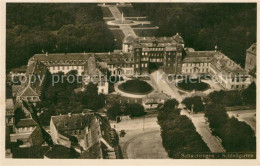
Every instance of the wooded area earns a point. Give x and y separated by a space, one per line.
53 27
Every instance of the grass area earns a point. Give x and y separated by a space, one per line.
145 32
106 12
130 12
136 87
192 84
119 36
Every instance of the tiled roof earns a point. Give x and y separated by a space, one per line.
36 137
61 56
196 59
154 96
226 65
92 153
198 56
15 88
28 91
200 53
73 122
26 123
61 152
252 49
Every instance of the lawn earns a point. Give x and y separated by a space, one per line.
145 32
106 12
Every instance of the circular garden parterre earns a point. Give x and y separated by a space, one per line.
136 86
190 84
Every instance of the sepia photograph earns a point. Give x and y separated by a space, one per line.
130 80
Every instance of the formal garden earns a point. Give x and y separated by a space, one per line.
190 84
136 86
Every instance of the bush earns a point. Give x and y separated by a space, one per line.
249 94
114 111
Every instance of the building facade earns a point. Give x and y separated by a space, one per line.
155 52
83 132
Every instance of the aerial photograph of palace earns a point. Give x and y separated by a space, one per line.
120 81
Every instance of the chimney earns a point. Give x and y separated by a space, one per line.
164 38
46 53
69 114
109 53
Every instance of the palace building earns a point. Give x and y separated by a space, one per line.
140 55
155 52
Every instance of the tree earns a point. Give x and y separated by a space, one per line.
114 111
90 97
237 136
135 110
249 94
216 115
178 132
19 114
194 102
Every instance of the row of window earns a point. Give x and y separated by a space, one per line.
75 132
25 129
195 70
237 86
142 65
66 67
156 49
120 65
195 64
156 60
66 62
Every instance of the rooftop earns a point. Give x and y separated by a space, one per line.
226 65
61 152
61 56
72 122
26 123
